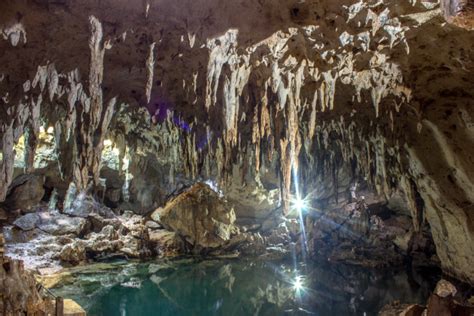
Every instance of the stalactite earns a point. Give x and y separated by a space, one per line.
93 120
312 117
265 125
285 169
328 90
150 65
14 118
220 52
256 138
31 134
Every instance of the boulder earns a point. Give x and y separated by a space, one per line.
51 223
60 224
27 222
153 225
25 192
73 253
200 216
445 289
83 205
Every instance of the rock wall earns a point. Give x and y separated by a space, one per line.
340 91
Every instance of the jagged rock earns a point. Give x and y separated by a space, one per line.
18 291
121 236
84 205
166 244
153 225
74 253
272 222
27 222
247 243
200 216
25 192
279 236
445 288
252 202
98 222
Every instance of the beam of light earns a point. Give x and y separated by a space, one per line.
300 205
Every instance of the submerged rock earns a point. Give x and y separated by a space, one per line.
200 216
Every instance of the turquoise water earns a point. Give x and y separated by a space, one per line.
238 287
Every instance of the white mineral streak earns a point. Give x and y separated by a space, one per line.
221 50
15 34
150 66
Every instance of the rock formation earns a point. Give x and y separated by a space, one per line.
330 101
200 217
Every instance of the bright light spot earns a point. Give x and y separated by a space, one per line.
50 130
107 142
299 205
41 129
298 283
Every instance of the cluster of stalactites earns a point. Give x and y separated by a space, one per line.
85 124
296 80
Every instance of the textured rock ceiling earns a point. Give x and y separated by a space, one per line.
385 87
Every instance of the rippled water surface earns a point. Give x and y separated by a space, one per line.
237 287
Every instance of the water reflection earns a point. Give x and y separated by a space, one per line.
190 287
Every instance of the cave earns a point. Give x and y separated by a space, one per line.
250 157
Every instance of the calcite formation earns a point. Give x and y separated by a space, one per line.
288 93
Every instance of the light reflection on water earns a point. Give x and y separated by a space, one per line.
191 287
